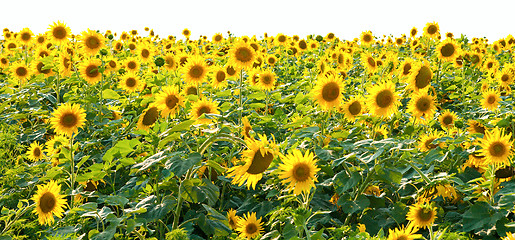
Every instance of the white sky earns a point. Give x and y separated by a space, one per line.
347 19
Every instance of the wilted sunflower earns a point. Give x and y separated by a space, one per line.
249 226
242 55
367 38
89 69
35 152
91 42
59 33
422 107
422 214
130 82
382 100
169 100
67 118
266 80
448 50
432 30
233 219
49 202
328 91
195 70
353 108
219 78
148 118
420 77
258 157
201 107
426 141
20 70
497 147
404 233
490 100
447 119
298 171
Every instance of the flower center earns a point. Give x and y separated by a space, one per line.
384 98
243 54
92 42
432 29
406 69
251 228
92 71
59 33
171 101
130 82
21 71
220 76
69 120
145 53
150 116
37 152
423 104
497 149
425 215
355 108
447 50
423 77
301 172
196 71
47 202
330 91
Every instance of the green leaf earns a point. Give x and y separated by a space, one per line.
197 191
121 149
116 200
213 223
348 206
169 138
151 161
481 216
344 182
180 166
182 126
110 94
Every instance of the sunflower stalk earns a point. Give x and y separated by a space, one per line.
16 217
426 179
72 172
240 88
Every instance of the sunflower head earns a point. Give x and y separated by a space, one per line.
169 100
382 100
89 70
422 214
233 219
497 147
20 70
298 171
35 152
249 226
490 100
367 38
328 91
448 50
148 118
420 77
353 108
59 33
432 30
266 80
49 202
422 107
202 107
242 55
426 141
68 118
195 70
404 233
447 119
91 42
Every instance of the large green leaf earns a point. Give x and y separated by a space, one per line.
197 191
180 166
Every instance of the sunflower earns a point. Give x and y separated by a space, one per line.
432 30
497 147
38 67
271 60
201 107
59 33
35 152
132 64
490 100
169 100
405 67
4 61
89 70
245 131
367 38
328 91
448 50
369 62
505 77
49 202
20 70
67 118
382 99
148 118
426 141
420 77
422 214
25 36
475 127
242 55
491 65
186 32
266 80
219 78
130 82
353 108
258 157
112 64
218 38
11 45
404 233
509 236
170 61
447 119
298 171
54 146
195 70
422 107
233 219
65 64
91 42
413 32
145 52
249 226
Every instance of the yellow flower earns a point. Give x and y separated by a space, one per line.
497 147
242 55
490 100
249 226
422 107
59 33
89 70
328 91
404 233
353 108
298 171
195 70
169 100
382 100
49 202
432 30
148 118
422 215
130 82
201 107
35 152
91 42
233 219
67 118
266 80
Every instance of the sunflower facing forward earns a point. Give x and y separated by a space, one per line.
497 147
490 100
249 226
422 214
448 50
382 100
49 202
298 171
353 108
169 100
258 157
195 70
91 42
328 92
201 107
242 55
68 118
422 107
59 33
89 70
35 152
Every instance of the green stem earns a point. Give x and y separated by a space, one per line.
426 179
241 96
16 217
72 172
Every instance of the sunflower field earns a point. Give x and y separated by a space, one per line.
135 136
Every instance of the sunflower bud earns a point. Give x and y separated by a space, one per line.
310 65
159 61
110 36
319 38
103 52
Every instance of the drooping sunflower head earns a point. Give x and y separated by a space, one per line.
448 50
422 107
35 152
68 118
130 82
328 92
148 118
249 226
242 55
245 131
258 157
420 77
432 30
353 108
195 70
490 100
49 202
497 147
169 100
298 171
475 127
201 108
91 42
422 214
59 33
382 100
233 219
89 70
427 143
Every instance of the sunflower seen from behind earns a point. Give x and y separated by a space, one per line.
298 171
68 118
421 214
89 70
328 92
249 226
169 100
200 108
382 100
496 147
257 158
35 152
49 202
